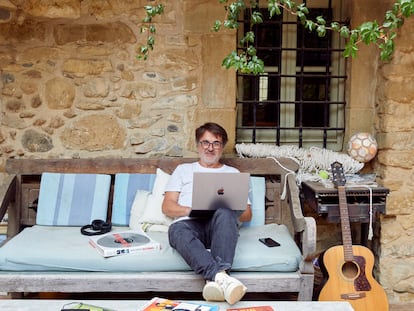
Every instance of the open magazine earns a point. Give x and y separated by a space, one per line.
162 304
125 242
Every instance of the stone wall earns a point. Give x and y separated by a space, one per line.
71 87
394 124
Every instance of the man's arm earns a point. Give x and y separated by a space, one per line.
170 206
246 215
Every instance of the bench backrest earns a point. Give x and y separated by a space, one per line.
28 173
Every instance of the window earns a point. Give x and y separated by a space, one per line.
299 99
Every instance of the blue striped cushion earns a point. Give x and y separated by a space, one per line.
72 199
126 186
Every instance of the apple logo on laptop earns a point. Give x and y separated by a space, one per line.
220 191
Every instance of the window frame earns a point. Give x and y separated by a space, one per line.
286 129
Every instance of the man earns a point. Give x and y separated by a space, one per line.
207 245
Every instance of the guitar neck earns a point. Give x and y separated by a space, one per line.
345 225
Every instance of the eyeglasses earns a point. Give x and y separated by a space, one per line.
206 144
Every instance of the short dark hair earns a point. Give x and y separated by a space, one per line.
213 128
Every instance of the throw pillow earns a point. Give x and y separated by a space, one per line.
137 209
125 189
72 199
161 180
151 212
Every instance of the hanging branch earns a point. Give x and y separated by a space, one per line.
148 27
247 61
369 32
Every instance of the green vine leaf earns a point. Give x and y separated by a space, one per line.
247 61
149 28
370 32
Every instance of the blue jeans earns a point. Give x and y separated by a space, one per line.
207 245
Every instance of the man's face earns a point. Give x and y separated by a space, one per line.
210 149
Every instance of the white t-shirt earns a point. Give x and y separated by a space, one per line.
181 180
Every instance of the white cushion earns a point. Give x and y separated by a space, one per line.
137 209
147 207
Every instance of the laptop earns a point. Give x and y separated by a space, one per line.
211 190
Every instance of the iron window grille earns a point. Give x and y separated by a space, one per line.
300 98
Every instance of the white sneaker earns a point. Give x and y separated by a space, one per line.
233 289
212 291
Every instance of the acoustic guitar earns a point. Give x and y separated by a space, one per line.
347 267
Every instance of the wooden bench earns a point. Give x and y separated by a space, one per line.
20 193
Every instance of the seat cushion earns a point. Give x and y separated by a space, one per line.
72 199
44 248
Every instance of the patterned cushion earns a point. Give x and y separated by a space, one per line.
72 199
126 186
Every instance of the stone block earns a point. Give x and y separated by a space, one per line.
65 9
94 133
59 93
400 91
200 15
218 84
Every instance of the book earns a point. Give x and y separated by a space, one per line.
163 304
253 308
125 242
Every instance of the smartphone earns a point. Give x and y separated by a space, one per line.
269 242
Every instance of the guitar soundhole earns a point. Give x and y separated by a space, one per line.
350 270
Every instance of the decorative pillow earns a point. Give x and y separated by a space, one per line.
151 212
72 199
137 209
160 183
125 189
257 198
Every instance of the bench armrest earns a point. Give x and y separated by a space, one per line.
304 227
8 187
308 242
293 201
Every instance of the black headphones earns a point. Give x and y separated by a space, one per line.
97 227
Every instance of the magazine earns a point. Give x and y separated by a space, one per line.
253 308
163 304
124 242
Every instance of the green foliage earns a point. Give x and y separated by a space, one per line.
149 28
370 32
247 61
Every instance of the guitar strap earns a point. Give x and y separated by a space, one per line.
370 230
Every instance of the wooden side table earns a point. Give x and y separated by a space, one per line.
324 202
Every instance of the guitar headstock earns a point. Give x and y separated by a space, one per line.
338 176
